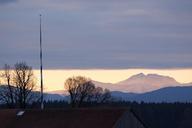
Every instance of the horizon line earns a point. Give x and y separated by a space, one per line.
168 68
148 68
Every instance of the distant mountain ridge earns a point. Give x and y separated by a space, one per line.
167 94
59 92
140 87
140 83
147 88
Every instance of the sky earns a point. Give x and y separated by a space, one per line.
97 34
106 40
54 79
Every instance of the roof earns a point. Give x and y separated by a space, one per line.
68 118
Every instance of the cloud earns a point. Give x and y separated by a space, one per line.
99 33
7 1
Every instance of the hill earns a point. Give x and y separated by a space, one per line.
167 94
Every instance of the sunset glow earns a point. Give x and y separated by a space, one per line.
54 79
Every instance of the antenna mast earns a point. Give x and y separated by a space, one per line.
41 66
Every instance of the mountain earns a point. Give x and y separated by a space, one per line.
140 83
109 86
148 88
167 94
144 83
54 97
60 92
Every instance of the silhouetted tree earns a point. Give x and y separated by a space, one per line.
101 96
7 91
19 84
85 92
81 89
24 82
74 86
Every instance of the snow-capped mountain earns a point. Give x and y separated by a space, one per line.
141 83
144 83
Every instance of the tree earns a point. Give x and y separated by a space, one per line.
6 93
19 84
23 79
72 85
101 95
81 89
85 92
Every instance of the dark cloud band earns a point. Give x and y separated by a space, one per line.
7 1
100 34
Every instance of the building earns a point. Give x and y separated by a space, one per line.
70 118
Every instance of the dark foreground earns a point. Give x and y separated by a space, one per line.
154 115
70 118
150 115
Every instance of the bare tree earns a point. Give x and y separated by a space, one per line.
71 86
81 89
76 85
101 96
106 96
23 80
7 91
85 92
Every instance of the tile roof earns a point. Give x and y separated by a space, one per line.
64 118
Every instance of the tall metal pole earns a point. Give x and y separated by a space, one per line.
41 66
